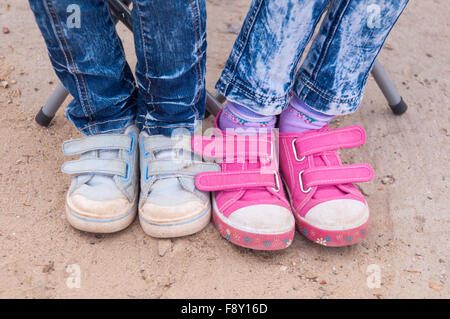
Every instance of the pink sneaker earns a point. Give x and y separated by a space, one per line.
329 209
250 208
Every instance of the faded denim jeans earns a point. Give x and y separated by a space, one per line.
88 57
262 70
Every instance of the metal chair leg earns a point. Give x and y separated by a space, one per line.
395 101
214 103
48 111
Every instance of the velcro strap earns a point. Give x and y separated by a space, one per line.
96 166
219 181
97 142
347 137
232 146
188 168
156 143
336 175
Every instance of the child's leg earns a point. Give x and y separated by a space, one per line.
260 70
170 38
333 76
88 58
170 43
259 75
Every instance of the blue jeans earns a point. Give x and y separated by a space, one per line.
88 57
170 39
264 65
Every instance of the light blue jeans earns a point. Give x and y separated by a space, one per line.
264 65
170 39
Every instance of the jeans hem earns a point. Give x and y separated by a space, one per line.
110 126
259 103
166 130
323 101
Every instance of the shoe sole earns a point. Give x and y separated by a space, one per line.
333 238
252 240
176 229
103 226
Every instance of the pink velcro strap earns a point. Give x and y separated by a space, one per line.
351 136
219 181
336 175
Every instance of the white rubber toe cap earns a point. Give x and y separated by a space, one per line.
172 214
96 209
339 214
263 219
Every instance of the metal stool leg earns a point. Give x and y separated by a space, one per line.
214 103
395 101
48 111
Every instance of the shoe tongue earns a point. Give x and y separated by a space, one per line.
170 183
164 155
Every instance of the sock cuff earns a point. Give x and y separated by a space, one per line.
300 106
235 115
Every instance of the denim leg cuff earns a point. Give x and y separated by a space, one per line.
166 130
323 101
109 126
259 103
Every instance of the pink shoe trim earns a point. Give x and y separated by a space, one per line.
333 238
251 240
336 175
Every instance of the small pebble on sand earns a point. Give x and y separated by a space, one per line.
163 246
388 180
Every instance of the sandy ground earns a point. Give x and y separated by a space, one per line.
409 198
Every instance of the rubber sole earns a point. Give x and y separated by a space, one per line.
252 240
102 226
333 238
177 229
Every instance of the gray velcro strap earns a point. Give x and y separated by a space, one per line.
96 166
97 142
183 168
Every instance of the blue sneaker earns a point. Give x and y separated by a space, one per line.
103 195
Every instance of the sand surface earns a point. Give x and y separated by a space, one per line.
409 238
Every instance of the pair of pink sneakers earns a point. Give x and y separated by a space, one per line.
250 207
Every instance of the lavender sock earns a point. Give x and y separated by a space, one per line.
236 116
298 117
